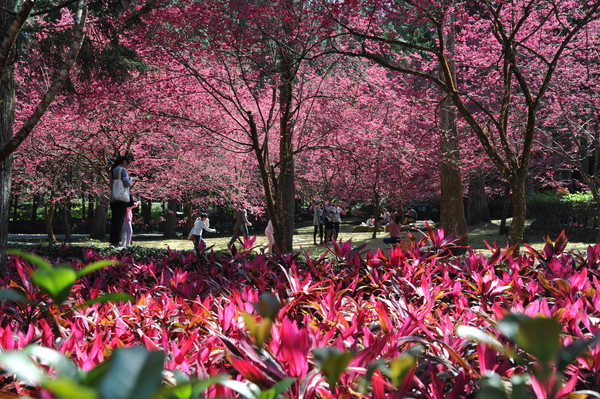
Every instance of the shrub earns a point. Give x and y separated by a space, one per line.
349 323
553 212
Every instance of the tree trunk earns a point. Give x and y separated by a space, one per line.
171 220
189 216
15 207
83 205
147 211
519 209
99 221
90 207
452 211
7 115
49 210
377 211
477 209
285 192
34 207
66 220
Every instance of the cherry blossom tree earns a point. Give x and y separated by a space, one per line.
506 55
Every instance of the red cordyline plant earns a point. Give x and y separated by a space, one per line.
350 323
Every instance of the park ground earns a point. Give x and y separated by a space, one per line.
478 236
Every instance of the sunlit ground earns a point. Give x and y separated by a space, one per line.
478 235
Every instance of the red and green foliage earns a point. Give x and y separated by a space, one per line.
372 312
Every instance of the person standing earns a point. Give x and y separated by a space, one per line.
317 223
329 227
127 230
338 210
195 235
269 231
240 225
118 204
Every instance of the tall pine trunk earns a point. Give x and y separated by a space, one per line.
34 207
49 211
146 211
477 209
99 221
7 117
66 219
452 212
519 209
171 220
285 191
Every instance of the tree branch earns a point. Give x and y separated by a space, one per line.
29 125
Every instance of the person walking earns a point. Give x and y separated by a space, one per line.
120 182
240 225
195 235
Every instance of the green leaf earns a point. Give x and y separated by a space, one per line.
10 294
65 388
403 364
204 384
131 373
371 368
63 366
112 297
268 307
537 336
23 367
36 260
96 266
243 389
521 387
480 336
57 282
568 354
332 363
260 330
277 389
492 387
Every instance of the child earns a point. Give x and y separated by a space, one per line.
127 230
200 225
329 227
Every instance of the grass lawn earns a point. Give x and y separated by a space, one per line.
478 235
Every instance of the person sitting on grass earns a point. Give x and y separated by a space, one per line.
410 216
394 228
195 235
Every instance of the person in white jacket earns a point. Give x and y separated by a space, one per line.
195 235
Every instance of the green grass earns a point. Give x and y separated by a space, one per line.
478 235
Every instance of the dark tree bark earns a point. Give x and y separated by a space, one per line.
34 207
7 115
146 211
66 219
171 220
477 208
99 220
49 211
452 213
189 217
83 205
15 207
